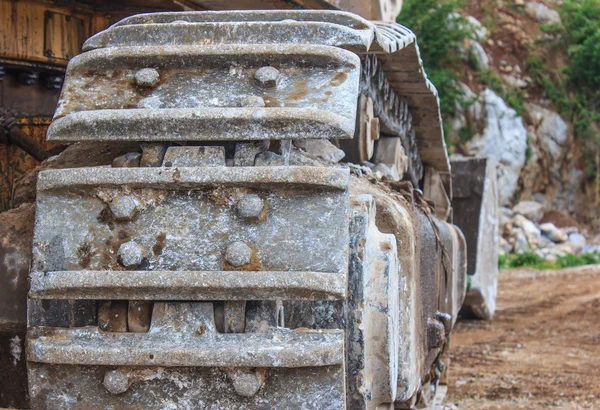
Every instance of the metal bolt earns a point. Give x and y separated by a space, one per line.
238 254
28 77
253 101
250 206
247 382
445 319
54 82
131 254
124 207
436 334
147 77
116 382
267 76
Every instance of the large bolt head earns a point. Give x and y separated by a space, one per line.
267 76
246 382
238 254
147 77
436 334
116 382
131 254
250 206
124 207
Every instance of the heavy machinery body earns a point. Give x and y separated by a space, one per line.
187 253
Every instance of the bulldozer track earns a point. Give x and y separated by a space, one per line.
209 273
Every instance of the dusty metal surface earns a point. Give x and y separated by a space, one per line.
475 206
189 228
207 260
394 45
188 285
373 310
184 334
202 94
431 282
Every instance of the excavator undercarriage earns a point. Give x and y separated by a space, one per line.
216 265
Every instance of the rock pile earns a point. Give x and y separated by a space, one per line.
525 228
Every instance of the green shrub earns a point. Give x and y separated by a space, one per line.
440 31
575 88
532 260
582 30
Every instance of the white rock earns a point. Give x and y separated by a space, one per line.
505 139
505 246
552 130
589 248
323 149
542 13
531 232
506 212
550 231
515 82
530 209
474 26
480 33
477 56
561 249
521 244
577 242
388 171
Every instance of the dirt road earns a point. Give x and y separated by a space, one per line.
542 350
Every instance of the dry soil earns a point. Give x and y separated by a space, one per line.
541 350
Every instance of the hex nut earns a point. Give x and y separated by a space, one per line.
250 206
131 254
124 207
267 76
147 77
445 319
436 334
116 382
246 382
238 254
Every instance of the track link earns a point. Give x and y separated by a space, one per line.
182 276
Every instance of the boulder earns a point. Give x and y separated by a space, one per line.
550 231
542 13
577 242
480 33
504 138
530 209
476 56
531 232
389 172
515 81
521 244
552 130
321 149
505 246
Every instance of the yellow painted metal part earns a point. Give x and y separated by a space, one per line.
45 33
